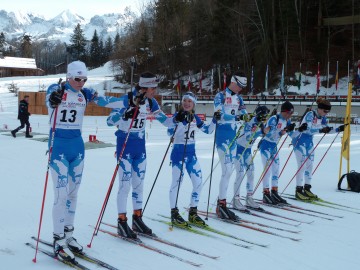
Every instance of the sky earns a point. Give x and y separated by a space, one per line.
85 8
325 244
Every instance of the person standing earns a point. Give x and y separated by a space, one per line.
244 161
313 122
232 109
136 106
278 125
23 116
66 103
183 157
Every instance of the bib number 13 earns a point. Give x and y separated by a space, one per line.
68 116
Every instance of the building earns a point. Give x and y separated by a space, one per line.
16 66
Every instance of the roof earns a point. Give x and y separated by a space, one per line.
17 62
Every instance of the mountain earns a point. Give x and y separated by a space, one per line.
61 27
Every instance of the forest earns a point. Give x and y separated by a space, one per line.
174 38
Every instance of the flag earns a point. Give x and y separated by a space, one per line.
212 80
252 80
266 77
282 82
189 84
224 86
318 79
345 145
337 75
299 82
178 87
200 82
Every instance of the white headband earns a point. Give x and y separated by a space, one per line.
191 96
148 82
240 81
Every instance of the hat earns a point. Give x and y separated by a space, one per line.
76 69
287 107
241 80
324 104
191 96
147 81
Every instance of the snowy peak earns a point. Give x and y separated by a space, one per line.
61 27
67 18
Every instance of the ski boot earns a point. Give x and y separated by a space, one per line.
73 245
223 212
300 194
177 219
249 202
123 228
236 204
267 198
61 248
195 219
138 224
275 195
308 193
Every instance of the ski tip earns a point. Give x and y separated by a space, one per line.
34 260
88 245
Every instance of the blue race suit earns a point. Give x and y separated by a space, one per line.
185 134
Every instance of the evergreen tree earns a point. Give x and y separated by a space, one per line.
95 51
78 44
26 46
117 43
2 42
108 50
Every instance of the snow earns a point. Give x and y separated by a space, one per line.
325 244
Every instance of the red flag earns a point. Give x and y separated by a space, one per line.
178 86
337 75
224 87
318 79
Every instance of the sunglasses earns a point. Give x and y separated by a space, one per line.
326 111
76 79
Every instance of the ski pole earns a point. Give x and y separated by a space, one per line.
212 163
162 162
97 226
46 181
182 166
303 163
268 167
227 149
325 153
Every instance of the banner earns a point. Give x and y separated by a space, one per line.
252 80
282 82
266 77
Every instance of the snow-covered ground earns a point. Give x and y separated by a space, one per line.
325 244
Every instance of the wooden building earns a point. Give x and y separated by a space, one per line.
16 66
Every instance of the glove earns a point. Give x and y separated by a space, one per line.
55 99
181 116
290 127
245 117
140 99
341 128
325 129
303 127
261 117
130 113
217 115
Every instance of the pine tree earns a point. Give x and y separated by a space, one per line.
2 42
78 43
26 46
108 50
95 52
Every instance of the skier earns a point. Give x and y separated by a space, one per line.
279 125
183 156
232 109
313 122
67 157
244 160
23 116
136 105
